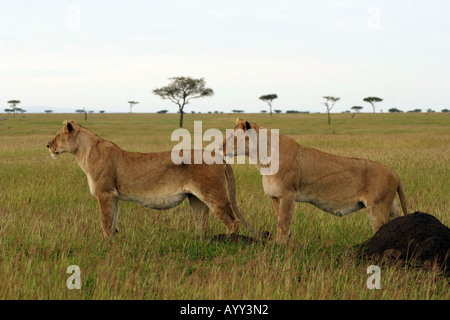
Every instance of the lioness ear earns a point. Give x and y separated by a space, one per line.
244 125
68 126
73 123
247 126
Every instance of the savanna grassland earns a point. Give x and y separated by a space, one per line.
49 220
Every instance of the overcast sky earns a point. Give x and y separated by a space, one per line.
100 54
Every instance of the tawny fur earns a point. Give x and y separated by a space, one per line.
337 185
151 179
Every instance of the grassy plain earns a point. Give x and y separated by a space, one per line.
49 220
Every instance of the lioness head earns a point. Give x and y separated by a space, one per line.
65 139
230 145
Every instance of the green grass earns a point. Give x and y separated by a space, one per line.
49 220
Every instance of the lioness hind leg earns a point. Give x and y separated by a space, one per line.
223 210
378 216
200 212
226 215
394 211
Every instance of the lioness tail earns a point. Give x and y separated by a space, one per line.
402 196
232 195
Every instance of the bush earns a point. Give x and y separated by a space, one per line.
295 111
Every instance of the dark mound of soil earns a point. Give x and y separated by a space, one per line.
417 239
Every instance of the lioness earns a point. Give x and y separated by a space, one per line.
334 184
151 179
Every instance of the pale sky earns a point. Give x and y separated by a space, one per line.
100 54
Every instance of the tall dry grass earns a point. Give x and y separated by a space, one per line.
49 220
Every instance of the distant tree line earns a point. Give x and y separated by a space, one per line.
181 90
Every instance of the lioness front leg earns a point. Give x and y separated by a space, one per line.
115 213
285 212
276 205
109 210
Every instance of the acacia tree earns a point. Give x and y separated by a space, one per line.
372 101
182 90
132 103
269 98
13 104
329 104
356 109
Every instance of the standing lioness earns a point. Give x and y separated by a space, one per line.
335 184
151 179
